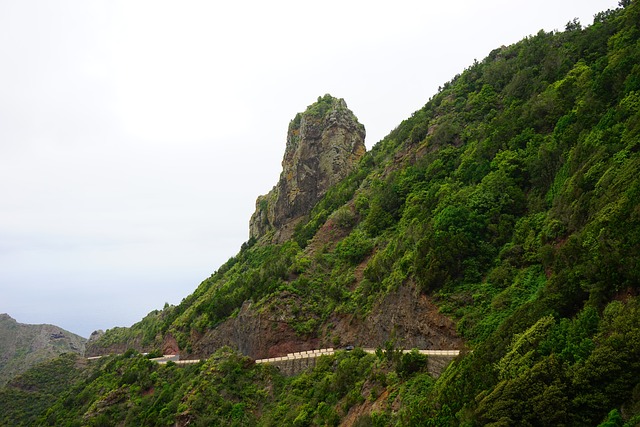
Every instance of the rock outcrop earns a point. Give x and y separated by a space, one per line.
405 317
323 146
257 333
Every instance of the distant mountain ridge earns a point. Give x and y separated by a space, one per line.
23 345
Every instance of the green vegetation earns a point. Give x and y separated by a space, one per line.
511 198
319 109
26 397
227 389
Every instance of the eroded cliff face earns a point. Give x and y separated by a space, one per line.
258 333
405 317
323 146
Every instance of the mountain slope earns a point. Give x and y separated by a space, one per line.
503 216
22 346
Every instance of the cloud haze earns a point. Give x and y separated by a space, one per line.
135 136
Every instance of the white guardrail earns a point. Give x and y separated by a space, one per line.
330 351
175 358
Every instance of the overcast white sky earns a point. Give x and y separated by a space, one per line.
135 136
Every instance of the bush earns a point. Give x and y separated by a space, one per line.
411 363
355 247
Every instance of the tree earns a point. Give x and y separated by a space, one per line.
573 25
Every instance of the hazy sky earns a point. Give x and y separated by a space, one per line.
135 136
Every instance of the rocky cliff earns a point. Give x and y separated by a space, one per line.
324 144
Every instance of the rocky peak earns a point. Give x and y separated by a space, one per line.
95 335
323 146
4 317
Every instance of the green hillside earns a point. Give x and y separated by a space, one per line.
511 201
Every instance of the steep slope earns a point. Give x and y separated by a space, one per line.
22 346
509 203
323 147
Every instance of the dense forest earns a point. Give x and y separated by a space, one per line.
511 199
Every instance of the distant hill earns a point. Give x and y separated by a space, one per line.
22 346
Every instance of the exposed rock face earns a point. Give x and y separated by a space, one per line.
404 317
323 145
95 336
258 334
